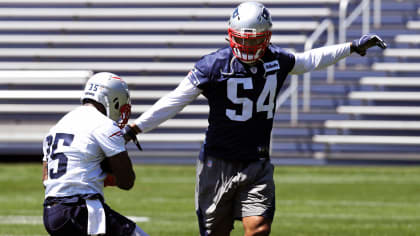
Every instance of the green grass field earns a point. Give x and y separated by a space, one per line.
310 200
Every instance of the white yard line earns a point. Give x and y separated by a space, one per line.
342 216
347 203
345 179
306 179
21 220
139 218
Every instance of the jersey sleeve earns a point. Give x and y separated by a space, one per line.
110 139
290 60
285 58
320 58
168 106
199 75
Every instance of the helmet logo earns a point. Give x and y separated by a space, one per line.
117 104
235 13
265 14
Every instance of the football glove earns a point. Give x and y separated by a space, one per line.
130 135
367 41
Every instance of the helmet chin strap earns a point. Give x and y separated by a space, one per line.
230 67
248 62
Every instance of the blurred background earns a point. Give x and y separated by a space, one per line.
364 109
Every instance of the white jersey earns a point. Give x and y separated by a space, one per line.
74 149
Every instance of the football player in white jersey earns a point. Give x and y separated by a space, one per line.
84 149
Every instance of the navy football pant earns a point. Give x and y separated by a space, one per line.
69 219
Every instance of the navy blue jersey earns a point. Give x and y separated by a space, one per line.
242 101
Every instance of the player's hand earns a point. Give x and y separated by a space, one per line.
367 41
130 135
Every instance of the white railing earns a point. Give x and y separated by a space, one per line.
292 92
345 22
326 25
377 16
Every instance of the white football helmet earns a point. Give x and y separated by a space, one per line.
249 31
112 92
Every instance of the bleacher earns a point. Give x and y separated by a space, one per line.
48 49
383 111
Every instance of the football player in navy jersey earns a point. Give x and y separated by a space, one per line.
241 83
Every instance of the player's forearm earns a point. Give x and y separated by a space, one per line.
320 58
44 171
163 110
168 106
121 168
128 183
126 177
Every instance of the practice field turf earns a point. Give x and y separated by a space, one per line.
310 201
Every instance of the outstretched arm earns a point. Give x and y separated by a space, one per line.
320 58
164 109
